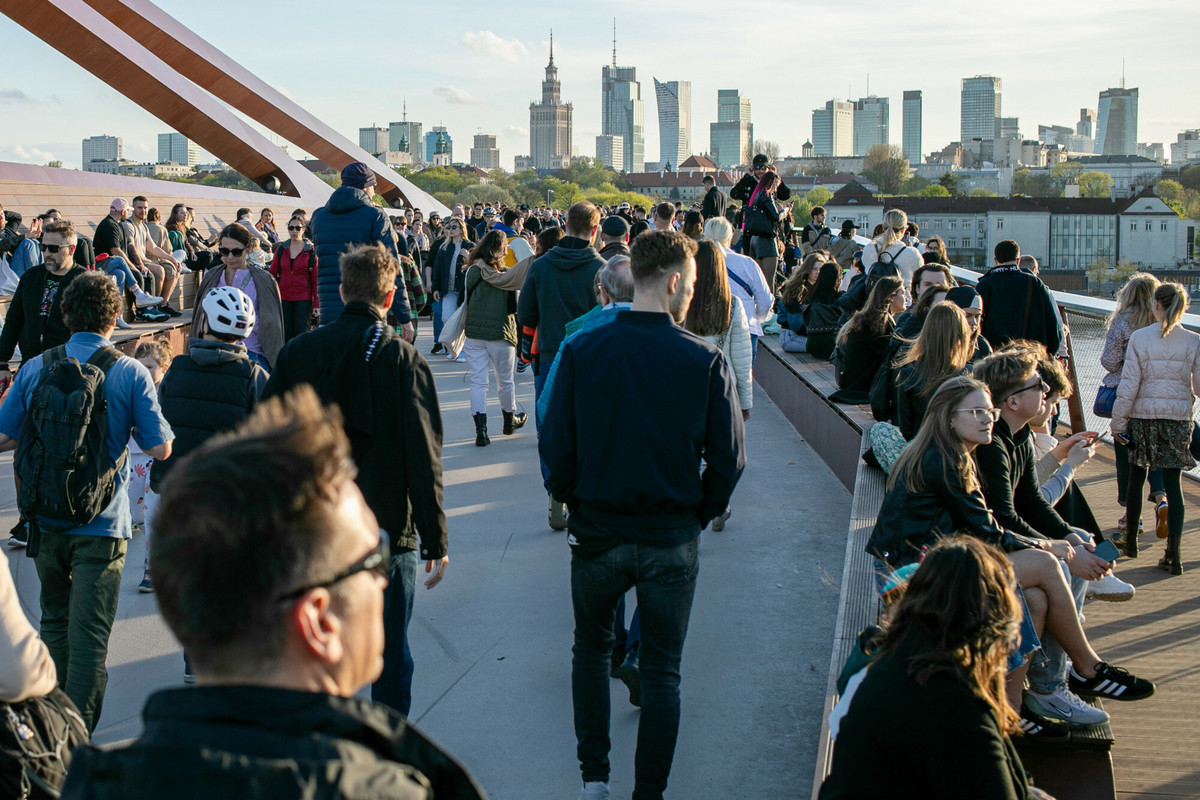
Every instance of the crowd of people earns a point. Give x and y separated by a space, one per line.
302 427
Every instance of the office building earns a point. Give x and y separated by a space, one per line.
833 129
621 109
872 123
674 121
1010 128
406 137
1185 148
374 140
175 148
102 148
484 154
611 150
550 121
911 141
438 134
1087 123
1116 122
980 110
730 136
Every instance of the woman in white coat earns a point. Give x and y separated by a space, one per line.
1152 415
718 317
889 247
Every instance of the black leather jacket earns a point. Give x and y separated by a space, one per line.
908 521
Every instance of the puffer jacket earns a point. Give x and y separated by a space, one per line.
349 218
491 312
908 521
1160 377
735 344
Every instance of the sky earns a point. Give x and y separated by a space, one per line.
477 69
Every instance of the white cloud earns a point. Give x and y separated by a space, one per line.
15 96
30 155
516 130
456 96
491 45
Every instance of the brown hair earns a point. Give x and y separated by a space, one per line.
490 250
157 349
368 273
548 239
91 303
958 468
709 313
1005 370
655 254
796 285
64 228
942 349
873 317
1174 302
236 232
581 218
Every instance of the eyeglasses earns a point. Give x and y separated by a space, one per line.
980 414
235 252
54 248
377 560
1041 384
295 227
453 228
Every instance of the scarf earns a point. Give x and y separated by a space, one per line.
509 279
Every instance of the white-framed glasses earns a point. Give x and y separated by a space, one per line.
980 414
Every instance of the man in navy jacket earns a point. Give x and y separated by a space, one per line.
636 407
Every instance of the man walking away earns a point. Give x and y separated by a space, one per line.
1016 304
638 496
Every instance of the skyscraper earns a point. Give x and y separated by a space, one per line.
175 148
872 123
549 121
1087 123
374 140
406 137
102 148
621 109
833 129
484 154
980 113
431 143
730 136
1116 122
912 126
674 121
1010 128
611 150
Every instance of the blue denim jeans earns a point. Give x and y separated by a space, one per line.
120 272
541 369
627 637
665 580
394 686
1048 669
436 306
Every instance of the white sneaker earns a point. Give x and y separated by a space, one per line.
594 790
1110 588
122 324
146 300
1066 707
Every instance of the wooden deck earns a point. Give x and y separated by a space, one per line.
1156 636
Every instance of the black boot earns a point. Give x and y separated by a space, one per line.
512 421
630 674
1171 561
481 437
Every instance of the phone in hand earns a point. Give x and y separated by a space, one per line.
1107 551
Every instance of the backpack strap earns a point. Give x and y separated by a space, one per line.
104 358
52 357
738 280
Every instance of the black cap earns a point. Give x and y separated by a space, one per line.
614 226
760 160
849 225
523 207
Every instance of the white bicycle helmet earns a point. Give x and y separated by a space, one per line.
230 311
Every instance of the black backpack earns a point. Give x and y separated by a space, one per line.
881 269
62 455
36 739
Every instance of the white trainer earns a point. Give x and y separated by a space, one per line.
594 790
147 300
1066 707
1109 588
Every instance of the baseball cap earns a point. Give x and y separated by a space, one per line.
119 204
760 160
614 226
623 207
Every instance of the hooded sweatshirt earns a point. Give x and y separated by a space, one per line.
558 288
207 391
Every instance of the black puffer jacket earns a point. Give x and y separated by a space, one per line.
243 742
908 521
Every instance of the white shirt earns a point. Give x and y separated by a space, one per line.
761 301
908 260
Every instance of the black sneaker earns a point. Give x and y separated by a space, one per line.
170 312
438 349
19 534
1110 683
1036 728
630 675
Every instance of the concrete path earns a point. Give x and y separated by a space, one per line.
492 643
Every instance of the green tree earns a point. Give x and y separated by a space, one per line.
886 166
1096 185
1064 173
818 196
1099 271
1040 185
566 196
981 192
487 194
442 179
587 173
913 185
1124 270
934 190
1170 191
55 164
951 183
1189 177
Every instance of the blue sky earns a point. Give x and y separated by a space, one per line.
477 68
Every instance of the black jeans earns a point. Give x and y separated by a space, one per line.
665 579
296 314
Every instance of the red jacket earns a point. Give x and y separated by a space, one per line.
297 278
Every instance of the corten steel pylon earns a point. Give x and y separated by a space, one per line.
194 58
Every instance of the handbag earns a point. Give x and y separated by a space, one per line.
758 223
454 331
36 739
1106 397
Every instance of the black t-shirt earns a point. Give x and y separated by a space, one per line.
49 292
109 235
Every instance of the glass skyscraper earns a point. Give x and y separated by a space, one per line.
674 121
622 112
1116 122
911 140
980 108
730 136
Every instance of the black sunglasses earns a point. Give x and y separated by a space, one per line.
54 248
295 227
235 252
377 560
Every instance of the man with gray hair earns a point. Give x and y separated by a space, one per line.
746 280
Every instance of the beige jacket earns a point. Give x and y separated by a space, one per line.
26 669
1160 377
268 310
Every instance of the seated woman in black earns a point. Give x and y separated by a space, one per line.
930 718
908 328
940 352
792 297
822 312
864 340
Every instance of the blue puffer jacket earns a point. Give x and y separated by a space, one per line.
349 218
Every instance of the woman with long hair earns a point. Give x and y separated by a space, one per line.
1134 310
264 343
693 225
888 247
491 330
940 352
940 668
294 265
935 251
716 316
864 339
762 246
266 225
1152 415
446 281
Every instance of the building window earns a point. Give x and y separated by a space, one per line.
1000 224
1133 226
981 244
982 226
1149 226
953 224
1164 226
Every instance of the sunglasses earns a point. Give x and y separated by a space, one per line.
235 252
295 227
377 560
54 248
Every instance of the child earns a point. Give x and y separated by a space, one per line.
156 357
214 386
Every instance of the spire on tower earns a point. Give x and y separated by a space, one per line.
552 47
614 41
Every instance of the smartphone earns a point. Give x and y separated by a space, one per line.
1107 551
1091 437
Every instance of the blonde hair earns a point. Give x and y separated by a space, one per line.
942 349
895 222
719 230
1137 298
1174 301
157 349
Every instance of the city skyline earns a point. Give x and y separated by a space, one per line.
483 80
